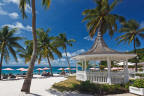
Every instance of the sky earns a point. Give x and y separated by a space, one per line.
65 16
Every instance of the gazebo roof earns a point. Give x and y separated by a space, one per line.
100 51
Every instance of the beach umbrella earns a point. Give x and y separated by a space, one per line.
39 69
46 68
61 69
67 68
8 69
24 70
20 69
94 68
73 69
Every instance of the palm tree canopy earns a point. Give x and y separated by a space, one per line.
9 42
131 31
46 45
27 52
23 5
62 41
101 18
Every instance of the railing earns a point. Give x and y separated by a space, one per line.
97 77
100 77
81 75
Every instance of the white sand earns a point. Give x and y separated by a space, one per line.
39 87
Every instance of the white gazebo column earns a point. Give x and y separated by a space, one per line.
126 72
109 71
82 65
85 74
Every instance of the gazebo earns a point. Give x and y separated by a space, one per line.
101 52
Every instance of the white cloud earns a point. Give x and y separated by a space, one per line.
12 1
2 12
20 26
73 53
28 8
88 38
14 15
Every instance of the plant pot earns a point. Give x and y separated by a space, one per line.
135 90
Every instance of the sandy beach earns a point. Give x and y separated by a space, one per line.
39 87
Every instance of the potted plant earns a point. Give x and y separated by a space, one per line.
137 87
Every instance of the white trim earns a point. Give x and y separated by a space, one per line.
104 56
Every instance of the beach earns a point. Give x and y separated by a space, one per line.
39 87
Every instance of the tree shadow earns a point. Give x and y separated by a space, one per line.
68 93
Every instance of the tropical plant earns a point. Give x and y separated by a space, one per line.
63 42
8 44
22 5
47 47
131 34
101 19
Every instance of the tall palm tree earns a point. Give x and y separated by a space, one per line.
46 47
27 52
8 44
101 19
22 6
63 42
131 32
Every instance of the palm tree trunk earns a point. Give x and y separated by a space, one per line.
135 53
1 60
27 81
50 66
68 61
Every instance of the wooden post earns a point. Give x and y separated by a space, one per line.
109 71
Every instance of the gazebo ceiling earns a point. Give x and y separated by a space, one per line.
100 51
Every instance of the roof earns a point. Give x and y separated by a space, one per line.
100 49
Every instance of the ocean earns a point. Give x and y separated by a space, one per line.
55 69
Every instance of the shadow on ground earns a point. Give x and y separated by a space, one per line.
57 93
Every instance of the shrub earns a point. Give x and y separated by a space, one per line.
138 83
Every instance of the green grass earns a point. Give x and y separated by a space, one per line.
71 84
67 85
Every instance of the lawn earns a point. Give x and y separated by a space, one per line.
71 84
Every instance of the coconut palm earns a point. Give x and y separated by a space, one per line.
101 19
63 42
27 52
131 34
22 6
46 47
9 44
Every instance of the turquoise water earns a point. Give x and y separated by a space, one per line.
55 69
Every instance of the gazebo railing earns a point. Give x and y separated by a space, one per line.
97 77
100 77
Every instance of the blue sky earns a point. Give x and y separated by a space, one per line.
65 16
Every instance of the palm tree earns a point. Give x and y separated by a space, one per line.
27 52
63 42
101 19
9 44
46 47
131 32
22 6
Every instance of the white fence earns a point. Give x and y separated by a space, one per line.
100 77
